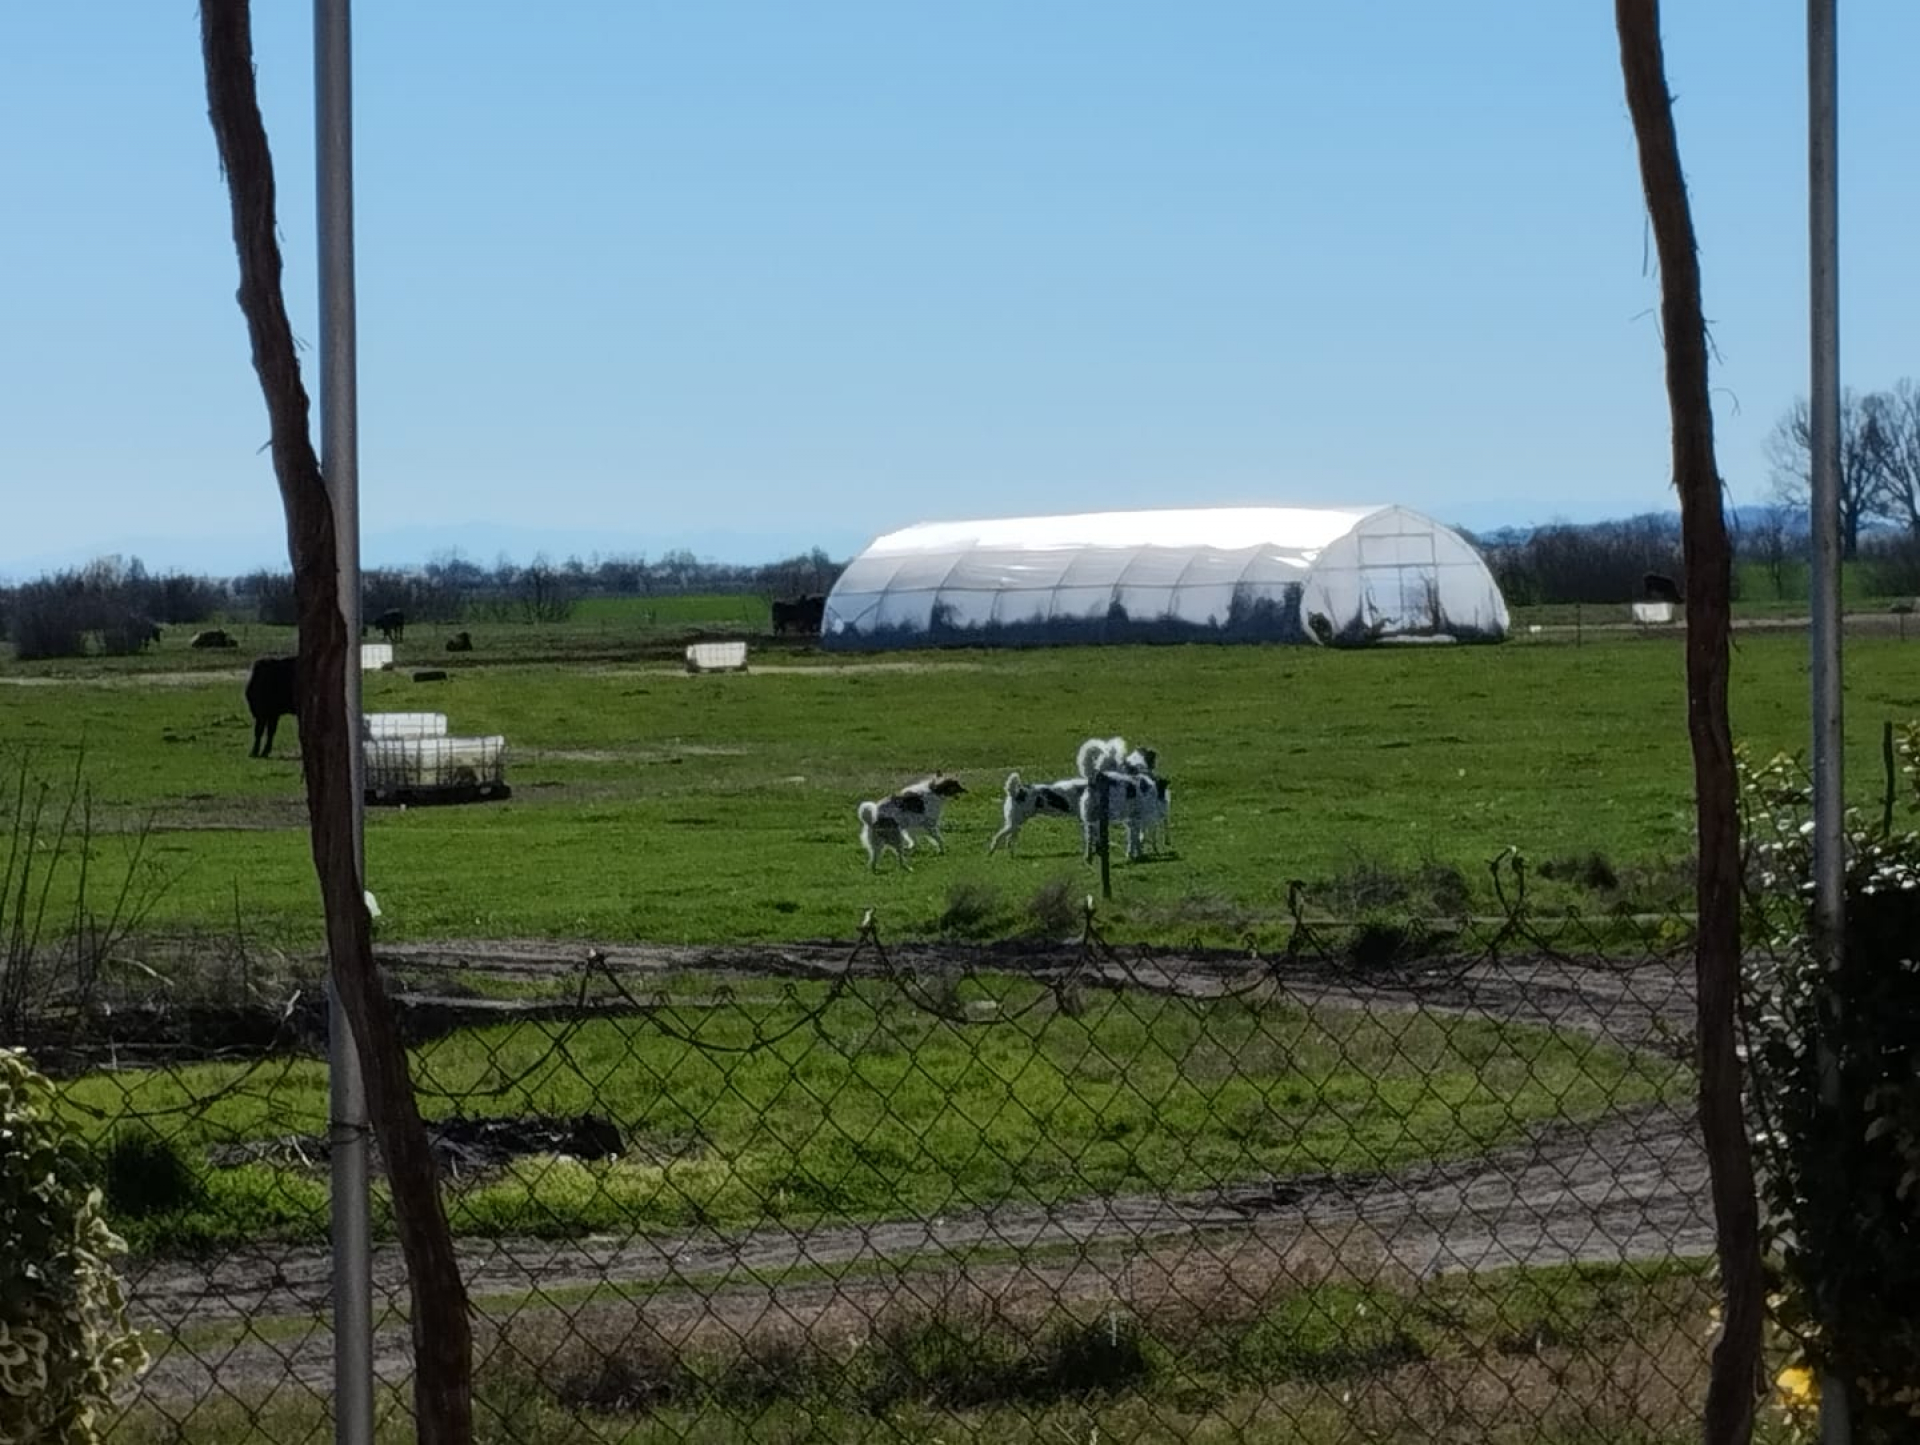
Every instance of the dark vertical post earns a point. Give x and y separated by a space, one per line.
1887 761
1100 805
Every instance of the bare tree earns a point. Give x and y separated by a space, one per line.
546 593
442 1332
1774 541
1891 439
1709 558
1862 481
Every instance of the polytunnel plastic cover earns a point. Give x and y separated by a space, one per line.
1225 574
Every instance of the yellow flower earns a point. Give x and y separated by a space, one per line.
1796 1388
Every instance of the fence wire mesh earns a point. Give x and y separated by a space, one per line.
1413 1179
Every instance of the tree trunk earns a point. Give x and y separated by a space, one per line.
1736 1358
442 1337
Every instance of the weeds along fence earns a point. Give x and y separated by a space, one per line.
1420 1181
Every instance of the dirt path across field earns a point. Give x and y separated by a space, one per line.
1628 1186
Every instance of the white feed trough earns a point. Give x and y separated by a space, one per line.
385 725
716 657
1653 614
435 769
375 656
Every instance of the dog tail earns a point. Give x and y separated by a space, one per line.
1097 755
1013 784
869 813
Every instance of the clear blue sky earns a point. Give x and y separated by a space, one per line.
754 277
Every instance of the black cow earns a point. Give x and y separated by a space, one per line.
213 637
801 614
460 642
1661 588
273 692
391 624
143 631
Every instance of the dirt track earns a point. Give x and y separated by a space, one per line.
1629 1186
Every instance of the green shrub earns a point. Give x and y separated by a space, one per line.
1593 871
1056 908
146 1175
971 912
1835 1057
1385 942
64 1341
49 622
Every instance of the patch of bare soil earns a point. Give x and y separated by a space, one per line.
1629 1186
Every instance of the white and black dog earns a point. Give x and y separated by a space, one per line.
877 834
1027 801
1136 797
893 821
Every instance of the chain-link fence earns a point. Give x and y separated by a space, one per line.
1402 1179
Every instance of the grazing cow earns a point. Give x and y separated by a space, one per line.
1661 588
460 642
213 637
144 632
391 624
801 614
273 692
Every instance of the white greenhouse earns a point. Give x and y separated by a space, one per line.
1345 576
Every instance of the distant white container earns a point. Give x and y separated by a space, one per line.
382 725
717 657
375 656
1653 614
429 769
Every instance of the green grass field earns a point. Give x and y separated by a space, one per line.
654 806
782 1104
651 805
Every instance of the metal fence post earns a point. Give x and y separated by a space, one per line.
1829 835
339 460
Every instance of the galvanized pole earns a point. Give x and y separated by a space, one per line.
339 461
1829 837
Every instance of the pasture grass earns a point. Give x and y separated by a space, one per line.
654 806
787 1103
1564 1356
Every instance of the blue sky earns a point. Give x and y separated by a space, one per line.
755 277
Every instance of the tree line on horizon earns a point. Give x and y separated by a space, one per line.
111 605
